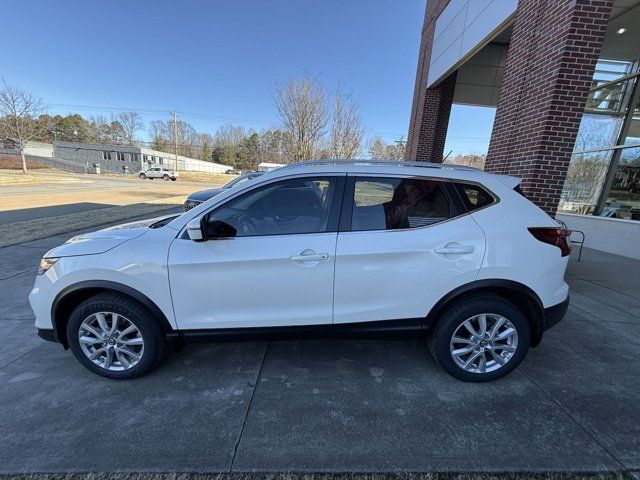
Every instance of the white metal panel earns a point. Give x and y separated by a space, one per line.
448 14
455 41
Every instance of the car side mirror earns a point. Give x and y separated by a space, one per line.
195 230
217 229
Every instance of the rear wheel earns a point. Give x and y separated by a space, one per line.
143 176
166 177
115 337
482 338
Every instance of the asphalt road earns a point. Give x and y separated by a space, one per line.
347 405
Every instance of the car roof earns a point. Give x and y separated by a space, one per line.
394 167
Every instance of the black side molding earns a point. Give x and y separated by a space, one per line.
387 329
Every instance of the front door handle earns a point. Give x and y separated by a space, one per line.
454 250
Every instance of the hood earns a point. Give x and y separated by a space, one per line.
102 240
204 195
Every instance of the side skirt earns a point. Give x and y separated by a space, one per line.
384 329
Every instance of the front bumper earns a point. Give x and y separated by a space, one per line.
553 315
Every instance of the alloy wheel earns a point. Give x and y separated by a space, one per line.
483 343
111 341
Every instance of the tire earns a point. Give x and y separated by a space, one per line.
166 178
130 312
143 176
173 179
510 350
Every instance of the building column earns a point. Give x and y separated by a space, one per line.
431 106
552 56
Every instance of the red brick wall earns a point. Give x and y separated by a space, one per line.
431 106
552 56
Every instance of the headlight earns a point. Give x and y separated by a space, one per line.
46 264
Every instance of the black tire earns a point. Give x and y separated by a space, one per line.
456 315
166 177
173 179
155 343
143 176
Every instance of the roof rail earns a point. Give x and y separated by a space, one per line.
392 163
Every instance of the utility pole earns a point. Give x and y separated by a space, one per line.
175 138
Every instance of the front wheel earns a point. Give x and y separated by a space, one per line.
173 179
166 177
480 339
115 337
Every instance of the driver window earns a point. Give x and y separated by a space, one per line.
294 206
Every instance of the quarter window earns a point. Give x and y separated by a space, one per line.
474 196
288 207
396 203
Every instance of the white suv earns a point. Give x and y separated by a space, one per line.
447 253
159 172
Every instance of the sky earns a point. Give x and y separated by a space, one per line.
217 61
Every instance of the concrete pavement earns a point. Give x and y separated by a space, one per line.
349 405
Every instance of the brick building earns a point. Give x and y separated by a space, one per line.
563 77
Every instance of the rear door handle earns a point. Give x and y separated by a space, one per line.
454 250
309 256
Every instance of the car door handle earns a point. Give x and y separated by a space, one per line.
309 257
454 250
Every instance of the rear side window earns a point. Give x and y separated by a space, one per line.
398 203
474 196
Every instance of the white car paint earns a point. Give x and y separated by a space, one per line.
255 282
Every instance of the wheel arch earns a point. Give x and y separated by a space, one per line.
517 293
69 297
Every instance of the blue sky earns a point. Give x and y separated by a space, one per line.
217 61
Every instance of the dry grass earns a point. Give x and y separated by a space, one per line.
321 476
14 162
202 177
16 177
20 232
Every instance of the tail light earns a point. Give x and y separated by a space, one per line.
558 237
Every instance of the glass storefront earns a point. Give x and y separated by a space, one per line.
604 173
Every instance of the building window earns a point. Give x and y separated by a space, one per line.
134 157
603 177
160 161
106 155
120 156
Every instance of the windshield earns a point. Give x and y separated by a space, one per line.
237 181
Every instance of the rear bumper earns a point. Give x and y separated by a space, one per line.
553 315
47 334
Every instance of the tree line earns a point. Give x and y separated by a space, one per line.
313 125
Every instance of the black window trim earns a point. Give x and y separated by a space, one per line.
334 213
496 198
457 205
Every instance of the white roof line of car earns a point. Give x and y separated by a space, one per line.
376 163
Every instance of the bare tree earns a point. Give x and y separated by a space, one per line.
302 106
345 137
19 113
378 149
131 123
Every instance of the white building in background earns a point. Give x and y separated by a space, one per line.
267 167
128 159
